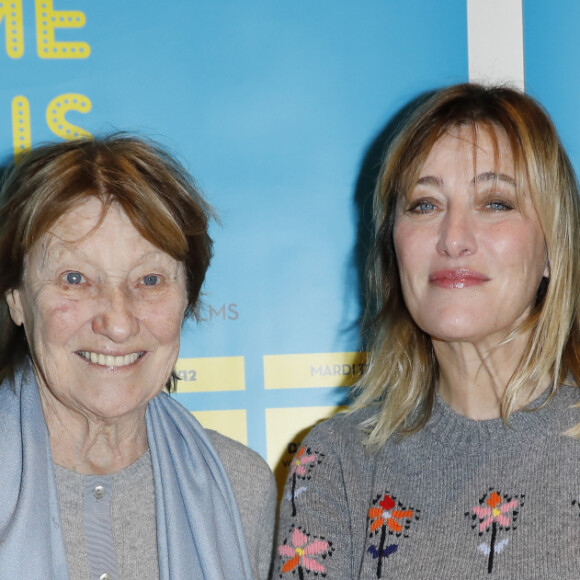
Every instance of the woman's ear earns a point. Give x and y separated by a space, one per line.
14 302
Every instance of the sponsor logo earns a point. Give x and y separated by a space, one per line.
344 370
223 312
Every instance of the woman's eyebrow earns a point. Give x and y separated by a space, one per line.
480 178
430 180
493 176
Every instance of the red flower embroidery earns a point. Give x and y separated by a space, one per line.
385 515
386 521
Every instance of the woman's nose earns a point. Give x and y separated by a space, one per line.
115 318
457 236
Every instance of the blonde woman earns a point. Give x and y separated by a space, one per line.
459 459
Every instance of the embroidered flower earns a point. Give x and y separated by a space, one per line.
496 513
386 520
302 461
302 552
385 515
300 468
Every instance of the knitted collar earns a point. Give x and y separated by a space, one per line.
467 436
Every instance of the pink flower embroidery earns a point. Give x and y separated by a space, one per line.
300 468
301 462
496 514
300 553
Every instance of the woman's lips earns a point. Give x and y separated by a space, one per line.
457 278
106 360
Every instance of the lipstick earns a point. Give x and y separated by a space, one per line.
460 278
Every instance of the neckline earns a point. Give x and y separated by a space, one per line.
130 471
468 436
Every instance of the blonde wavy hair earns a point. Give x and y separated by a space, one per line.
402 373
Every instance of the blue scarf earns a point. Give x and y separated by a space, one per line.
199 530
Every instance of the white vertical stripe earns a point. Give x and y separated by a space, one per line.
495 41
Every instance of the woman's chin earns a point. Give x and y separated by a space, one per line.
460 330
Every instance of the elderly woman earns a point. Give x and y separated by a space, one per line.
460 458
103 251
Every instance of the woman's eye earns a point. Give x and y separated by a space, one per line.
422 207
498 206
151 280
74 278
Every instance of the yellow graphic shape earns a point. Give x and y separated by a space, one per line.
296 371
47 19
285 430
21 135
59 107
226 373
11 13
232 423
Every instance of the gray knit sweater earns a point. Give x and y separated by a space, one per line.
125 534
461 500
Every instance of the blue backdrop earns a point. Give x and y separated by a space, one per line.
278 109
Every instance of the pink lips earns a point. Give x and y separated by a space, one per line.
460 278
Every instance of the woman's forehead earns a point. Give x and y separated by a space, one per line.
90 237
77 227
469 150
477 141
80 220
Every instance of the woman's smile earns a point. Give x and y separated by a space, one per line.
109 360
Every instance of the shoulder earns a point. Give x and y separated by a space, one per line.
567 395
564 410
242 464
336 445
344 430
255 491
